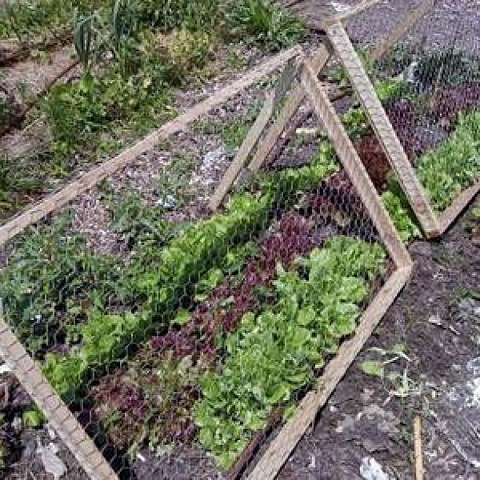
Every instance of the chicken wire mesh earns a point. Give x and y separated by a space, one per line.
428 81
179 337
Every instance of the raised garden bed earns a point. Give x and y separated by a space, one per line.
210 330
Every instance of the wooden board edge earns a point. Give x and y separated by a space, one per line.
383 128
402 28
243 153
354 167
59 199
294 100
457 206
285 442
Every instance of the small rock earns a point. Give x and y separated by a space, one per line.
366 395
370 469
51 462
29 448
51 433
340 7
212 158
169 202
469 307
346 424
17 424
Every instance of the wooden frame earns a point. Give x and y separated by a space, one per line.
284 443
432 224
24 367
12 351
265 144
278 452
270 137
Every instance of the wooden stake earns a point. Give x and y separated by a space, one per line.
417 438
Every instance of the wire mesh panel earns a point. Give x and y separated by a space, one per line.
428 84
177 336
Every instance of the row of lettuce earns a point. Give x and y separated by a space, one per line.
276 352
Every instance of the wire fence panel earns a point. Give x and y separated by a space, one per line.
428 83
179 335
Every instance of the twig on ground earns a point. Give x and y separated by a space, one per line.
417 437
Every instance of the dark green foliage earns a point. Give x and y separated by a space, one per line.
52 282
262 22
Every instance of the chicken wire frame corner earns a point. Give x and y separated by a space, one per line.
58 415
272 460
432 223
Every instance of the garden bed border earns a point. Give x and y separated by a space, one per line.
432 223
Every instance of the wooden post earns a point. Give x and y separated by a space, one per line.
243 153
250 141
383 129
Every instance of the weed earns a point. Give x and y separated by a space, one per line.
184 52
16 185
262 22
51 282
140 224
42 18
